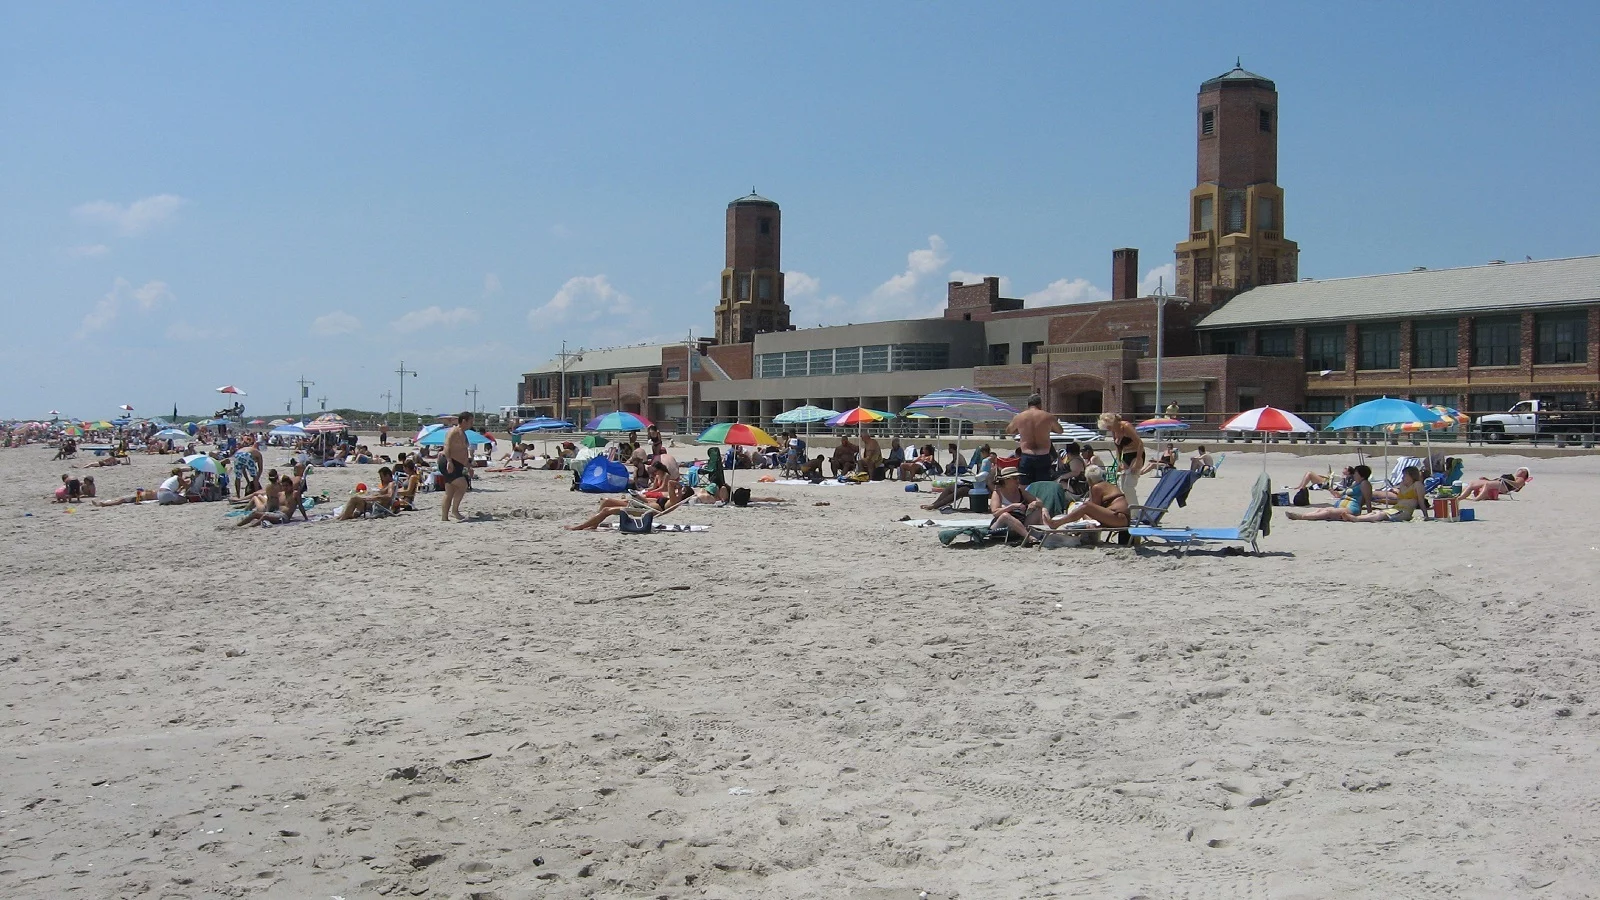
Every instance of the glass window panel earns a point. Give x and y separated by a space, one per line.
1227 342
875 358
1378 346
1562 337
1434 344
846 360
1275 342
1497 341
822 362
771 365
795 363
1265 218
1491 402
1203 215
1325 349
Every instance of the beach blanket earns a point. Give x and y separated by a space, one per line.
661 528
949 523
826 482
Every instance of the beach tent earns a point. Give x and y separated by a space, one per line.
603 476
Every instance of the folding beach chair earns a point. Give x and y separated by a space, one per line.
1256 522
1397 474
1173 484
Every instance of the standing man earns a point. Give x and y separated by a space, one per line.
456 466
383 435
1033 427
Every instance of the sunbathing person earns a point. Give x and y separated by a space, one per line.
140 495
1106 505
1356 500
107 462
279 508
944 501
382 498
1492 488
1012 506
633 505
1334 486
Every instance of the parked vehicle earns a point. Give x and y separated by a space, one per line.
1575 423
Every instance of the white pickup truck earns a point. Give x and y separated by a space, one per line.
1533 419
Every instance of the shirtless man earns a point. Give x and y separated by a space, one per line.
1130 452
871 455
1033 427
457 468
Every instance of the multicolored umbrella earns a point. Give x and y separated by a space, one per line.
965 404
1448 418
258 421
736 433
542 423
618 421
1161 423
327 426
859 416
72 431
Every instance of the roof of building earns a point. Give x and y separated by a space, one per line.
1471 289
753 199
610 359
1238 75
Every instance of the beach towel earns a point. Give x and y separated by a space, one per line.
946 523
660 528
976 535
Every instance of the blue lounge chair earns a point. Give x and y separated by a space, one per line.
1248 531
1173 483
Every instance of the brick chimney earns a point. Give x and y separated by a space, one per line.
1125 273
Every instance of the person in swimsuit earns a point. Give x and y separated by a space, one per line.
713 474
1355 501
1012 506
1033 427
384 496
1334 486
1106 504
139 495
1130 452
455 465
1492 488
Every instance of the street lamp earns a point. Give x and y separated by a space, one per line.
403 372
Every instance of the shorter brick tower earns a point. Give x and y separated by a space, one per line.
751 297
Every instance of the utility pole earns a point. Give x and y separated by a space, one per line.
567 359
305 391
691 364
403 372
387 397
1161 338
473 393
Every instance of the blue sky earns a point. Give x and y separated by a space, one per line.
200 194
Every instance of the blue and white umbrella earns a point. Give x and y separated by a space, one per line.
1078 433
804 415
542 423
170 434
200 462
965 404
436 438
291 430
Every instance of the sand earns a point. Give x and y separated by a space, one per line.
812 702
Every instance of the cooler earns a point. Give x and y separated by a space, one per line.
1447 509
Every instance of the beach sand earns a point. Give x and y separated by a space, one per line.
810 702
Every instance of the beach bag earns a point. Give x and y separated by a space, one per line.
645 524
603 476
1302 497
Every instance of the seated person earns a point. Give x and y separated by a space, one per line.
277 507
70 490
1354 501
812 471
1492 488
1106 505
956 467
978 489
88 487
410 480
1012 506
845 457
382 498
895 459
1448 473
923 464
1202 462
1336 487
1166 459
171 491
1408 498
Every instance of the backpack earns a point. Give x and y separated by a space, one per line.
1302 497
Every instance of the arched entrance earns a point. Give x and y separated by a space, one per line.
1077 396
1089 403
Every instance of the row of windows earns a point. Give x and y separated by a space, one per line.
853 360
1487 402
1000 354
1496 341
1205 216
763 287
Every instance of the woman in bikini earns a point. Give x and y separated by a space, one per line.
1355 501
1130 451
1012 506
1106 505
1492 488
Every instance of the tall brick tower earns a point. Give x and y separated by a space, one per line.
751 300
1236 208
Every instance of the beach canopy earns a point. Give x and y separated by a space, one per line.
618 421
1383 411
859 416
1267 418
965 404
804 415
542 423
230 389
435 438
200 462
1161 423
736 433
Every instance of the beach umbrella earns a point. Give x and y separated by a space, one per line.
426 430
736 434
72 431
289 429
125 408
859 416
436 437
277 422
1161 423
200 462
230 389
1267 418
258 421
963 404
1383 411
171 434
592 441
1449 417
542 423
618 421
804 415
102 424
326 426
1074 432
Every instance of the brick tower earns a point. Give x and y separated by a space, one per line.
1236 208
751 300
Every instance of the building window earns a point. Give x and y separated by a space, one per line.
920 357
999 354
1275 342
766 225
1228 343
1235 212
846 360
1267 269
1562 337
1203 214
1029 348
725 283
744 287
795 364
1208 122
1265 118
1491 402
674 373
1322 410
1325 349
1265 210
1433 344
1378 346
1202 270
1139 345
764 287
771 365
875 358
1497 341
1446 400
821 362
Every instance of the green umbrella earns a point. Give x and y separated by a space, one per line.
593 440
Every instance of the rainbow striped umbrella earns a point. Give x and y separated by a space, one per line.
859 416
736 433
1162 423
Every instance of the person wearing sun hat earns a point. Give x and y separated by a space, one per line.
1012 506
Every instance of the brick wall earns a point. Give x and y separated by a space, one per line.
738 360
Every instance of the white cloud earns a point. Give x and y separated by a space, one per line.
975 277
584 298
335 323
491 283
146 297
133 219
1164 277
903 296
808 305
87 250
434 317
1066 290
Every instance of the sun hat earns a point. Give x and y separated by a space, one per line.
1008 472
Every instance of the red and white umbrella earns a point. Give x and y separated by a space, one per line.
1267 418
230 389
125 407
326 425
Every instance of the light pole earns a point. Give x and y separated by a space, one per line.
305 392
473 393
403 372
567 359
387 397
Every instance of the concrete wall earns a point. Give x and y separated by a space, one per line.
965 338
